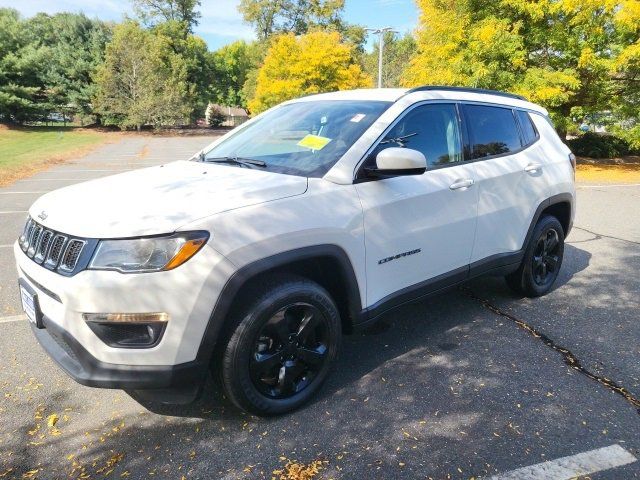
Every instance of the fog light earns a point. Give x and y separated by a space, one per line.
128 330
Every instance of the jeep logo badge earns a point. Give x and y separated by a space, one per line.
42 216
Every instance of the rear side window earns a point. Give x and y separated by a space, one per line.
528 129
492 130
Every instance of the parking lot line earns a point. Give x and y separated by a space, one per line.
13 318
566 468
7 212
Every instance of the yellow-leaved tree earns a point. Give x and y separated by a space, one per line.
564 54
313 63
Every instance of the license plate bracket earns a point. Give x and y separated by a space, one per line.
30 304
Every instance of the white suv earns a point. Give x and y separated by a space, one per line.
311 220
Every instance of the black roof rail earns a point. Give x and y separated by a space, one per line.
427 88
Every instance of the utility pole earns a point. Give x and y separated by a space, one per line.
380 32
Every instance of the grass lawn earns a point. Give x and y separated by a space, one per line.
24 151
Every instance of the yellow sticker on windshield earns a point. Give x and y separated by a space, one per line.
314 142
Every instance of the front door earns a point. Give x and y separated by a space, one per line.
419 229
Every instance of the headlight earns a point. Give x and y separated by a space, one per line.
150 254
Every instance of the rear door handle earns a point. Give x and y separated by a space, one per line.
533 168
461 184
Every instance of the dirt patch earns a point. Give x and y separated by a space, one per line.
144 152
608 173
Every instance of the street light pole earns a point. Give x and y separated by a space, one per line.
380 32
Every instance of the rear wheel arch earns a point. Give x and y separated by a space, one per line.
327 265
562 211
559 206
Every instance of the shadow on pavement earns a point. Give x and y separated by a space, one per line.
394 335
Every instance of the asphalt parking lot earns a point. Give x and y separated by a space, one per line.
470 384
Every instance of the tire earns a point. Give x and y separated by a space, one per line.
542 260
283 346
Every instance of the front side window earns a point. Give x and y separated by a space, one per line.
492 130
430 129
302 138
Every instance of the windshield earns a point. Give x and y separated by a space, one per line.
302 138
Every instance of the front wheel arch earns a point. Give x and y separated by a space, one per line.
328 265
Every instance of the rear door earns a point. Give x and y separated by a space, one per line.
419 227
510 176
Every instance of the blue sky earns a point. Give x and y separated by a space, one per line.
221 23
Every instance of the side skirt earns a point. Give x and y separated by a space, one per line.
501 264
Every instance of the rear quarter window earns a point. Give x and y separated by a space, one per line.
492 131
529 132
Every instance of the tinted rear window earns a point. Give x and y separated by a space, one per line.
492 130
528 129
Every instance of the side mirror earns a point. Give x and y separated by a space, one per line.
395 161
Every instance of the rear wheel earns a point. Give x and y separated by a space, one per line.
542 260
283 347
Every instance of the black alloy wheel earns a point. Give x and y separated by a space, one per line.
280 345
291 348
542 259
546 258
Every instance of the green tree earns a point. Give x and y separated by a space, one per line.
195 55
626 73
231 67
312 63
142 80
398 53
47 64
152 12
560 53
270 17
74 46
22 91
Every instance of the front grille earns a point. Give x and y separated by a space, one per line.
55 250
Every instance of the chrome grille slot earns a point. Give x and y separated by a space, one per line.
33 241
23 240
71 255
55 252
27 236
43 246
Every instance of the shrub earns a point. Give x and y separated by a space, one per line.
630 134
598 145
215 118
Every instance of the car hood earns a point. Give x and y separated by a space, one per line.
158 199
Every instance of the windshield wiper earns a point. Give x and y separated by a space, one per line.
246 162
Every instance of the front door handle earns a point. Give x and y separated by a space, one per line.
461 184
533 168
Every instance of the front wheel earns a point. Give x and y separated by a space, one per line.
283 347
542 260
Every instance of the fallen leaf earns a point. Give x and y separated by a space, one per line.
52 420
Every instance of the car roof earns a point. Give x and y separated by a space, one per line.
427 93
381 94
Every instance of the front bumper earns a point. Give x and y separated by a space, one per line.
85 369
187 293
